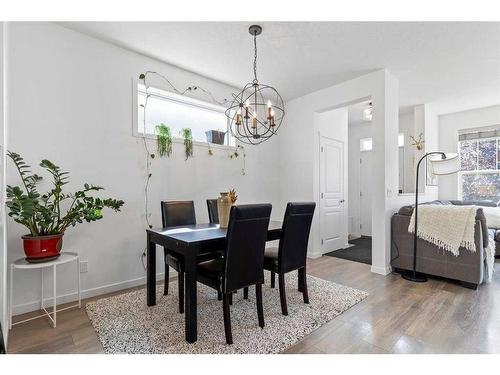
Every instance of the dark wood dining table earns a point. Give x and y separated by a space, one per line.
189 241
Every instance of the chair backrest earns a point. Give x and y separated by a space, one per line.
292 251
213 213
175 213
246 241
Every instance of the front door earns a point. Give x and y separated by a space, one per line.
365 194
333 219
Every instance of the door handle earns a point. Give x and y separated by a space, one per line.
342 200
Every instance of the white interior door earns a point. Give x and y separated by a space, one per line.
333 218
365 194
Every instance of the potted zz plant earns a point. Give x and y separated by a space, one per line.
48 215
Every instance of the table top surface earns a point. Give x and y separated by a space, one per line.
65 257
195 233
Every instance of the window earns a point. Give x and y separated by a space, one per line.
177 112
479 177
366 144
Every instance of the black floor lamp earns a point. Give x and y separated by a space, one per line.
446 164
2 343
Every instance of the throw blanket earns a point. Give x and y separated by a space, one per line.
449 228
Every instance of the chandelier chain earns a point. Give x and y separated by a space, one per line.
255 57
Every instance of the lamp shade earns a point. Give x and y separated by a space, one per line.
449 165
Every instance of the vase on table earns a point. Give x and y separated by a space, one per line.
224 208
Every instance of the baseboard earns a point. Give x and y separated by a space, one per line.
314 255
87 293
381 270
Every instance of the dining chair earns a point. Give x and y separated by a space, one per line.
178 213
242 264
213 213
291 253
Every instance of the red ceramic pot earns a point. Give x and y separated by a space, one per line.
42 248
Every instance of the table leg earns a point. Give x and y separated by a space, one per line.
151 273
191 313
10 295
55 296
41 289
78 280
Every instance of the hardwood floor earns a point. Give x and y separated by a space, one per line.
397 317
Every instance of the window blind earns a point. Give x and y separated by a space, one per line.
468 135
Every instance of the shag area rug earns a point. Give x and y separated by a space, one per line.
125 324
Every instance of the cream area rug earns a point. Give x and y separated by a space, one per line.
125 324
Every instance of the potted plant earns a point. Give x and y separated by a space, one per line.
48 215
163 140
215 136
187 135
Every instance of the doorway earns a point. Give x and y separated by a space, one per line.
358 244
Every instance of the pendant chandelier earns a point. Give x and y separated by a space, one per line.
256 112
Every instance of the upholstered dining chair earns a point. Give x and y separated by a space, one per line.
178 213
213 213
242 264
291 253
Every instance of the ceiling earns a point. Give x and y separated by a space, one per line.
455 65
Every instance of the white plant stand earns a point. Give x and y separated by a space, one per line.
22 264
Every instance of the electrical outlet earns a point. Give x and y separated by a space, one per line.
84 266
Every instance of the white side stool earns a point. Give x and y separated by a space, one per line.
65 257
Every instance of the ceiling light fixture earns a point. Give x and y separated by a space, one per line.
368 112
256 112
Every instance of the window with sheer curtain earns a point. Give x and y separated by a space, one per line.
479 177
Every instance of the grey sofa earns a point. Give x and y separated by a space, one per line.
468 267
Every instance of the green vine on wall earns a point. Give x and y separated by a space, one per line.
188 141
163 140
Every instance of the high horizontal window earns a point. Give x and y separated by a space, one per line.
366 144
479 177
178 112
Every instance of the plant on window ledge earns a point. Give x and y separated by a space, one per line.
163 140
43 215
188 141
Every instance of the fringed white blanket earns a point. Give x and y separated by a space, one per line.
449 228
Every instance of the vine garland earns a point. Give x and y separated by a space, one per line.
188 141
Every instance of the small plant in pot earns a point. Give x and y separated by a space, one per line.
48 215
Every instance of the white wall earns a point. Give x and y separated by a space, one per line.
71 101
299 173
449 125
333 124
3 247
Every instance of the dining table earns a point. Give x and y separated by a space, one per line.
189 241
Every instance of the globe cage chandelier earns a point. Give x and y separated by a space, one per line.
256 112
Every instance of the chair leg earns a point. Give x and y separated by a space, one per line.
260 309
245 293
219 296
303 281
281 280
166 280
300 279
273 280
227 317
181 292
230 296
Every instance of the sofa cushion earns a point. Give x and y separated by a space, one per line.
408 211
492 215
484 203
497 235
